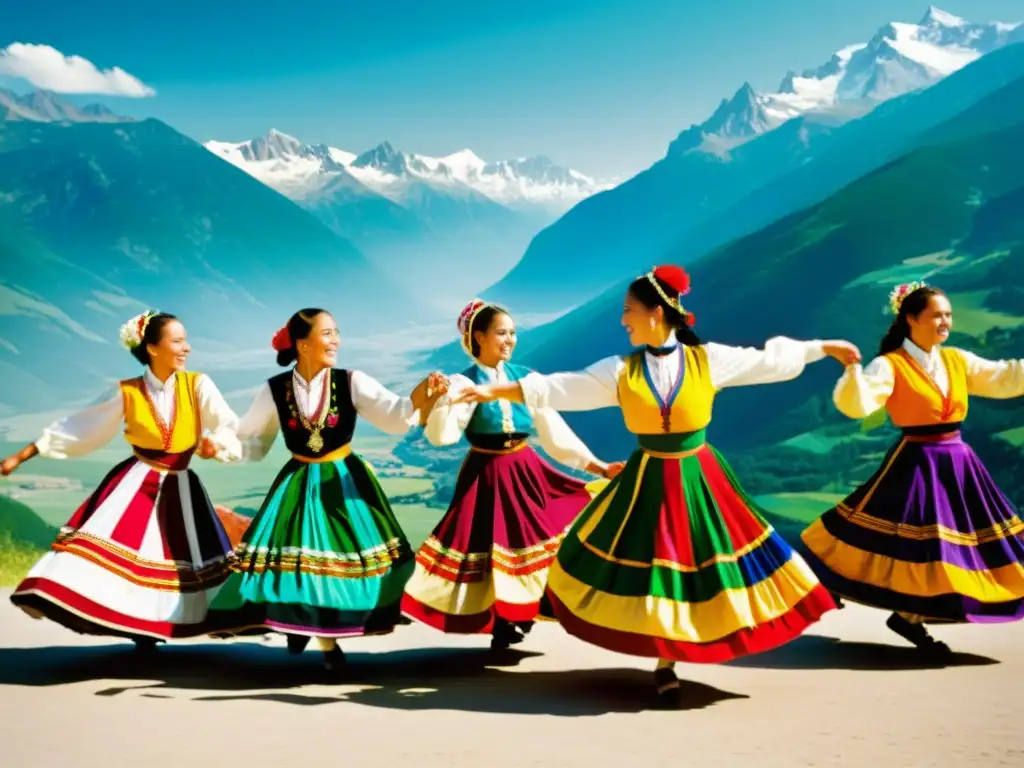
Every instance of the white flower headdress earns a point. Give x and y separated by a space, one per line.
132 332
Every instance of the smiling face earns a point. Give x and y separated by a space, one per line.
170 354
498 341
932 325
643 324
320 348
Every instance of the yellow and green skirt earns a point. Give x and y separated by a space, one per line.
673 560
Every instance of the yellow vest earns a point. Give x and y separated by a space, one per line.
690 410
143 427
916 401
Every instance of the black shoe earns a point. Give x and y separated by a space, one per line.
334 660
145 645
918 635
297 643
505 634
666 685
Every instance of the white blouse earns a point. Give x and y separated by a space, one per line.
90 429
447 423
373 402
861 391
782 359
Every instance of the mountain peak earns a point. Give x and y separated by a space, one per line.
936 17
41 106
383 157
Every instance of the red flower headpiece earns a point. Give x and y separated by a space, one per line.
282 340
465 322
678 281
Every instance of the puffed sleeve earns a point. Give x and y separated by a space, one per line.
446 422
85 431
861 391
219 420
259 427
588 390
380 406
997 379
559 441
782 359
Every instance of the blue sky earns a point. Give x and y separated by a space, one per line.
601 85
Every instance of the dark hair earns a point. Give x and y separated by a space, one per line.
482 324
642 290
299 325
913 305
152 335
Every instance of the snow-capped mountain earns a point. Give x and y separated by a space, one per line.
47 107
899 58
301 170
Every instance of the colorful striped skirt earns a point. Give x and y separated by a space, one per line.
144 556
489 555
929 533
673 560
324 556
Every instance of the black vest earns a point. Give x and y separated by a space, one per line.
339 404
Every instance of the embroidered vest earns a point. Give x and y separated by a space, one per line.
688 411
145 429
338 425
916 400
499 417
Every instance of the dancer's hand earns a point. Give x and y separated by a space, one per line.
474 394
207 449
614 469
437 385
9 464
843 351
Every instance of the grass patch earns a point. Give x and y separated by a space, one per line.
16 557
1014 437
971 317
799 507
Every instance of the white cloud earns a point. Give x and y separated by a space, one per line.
47 68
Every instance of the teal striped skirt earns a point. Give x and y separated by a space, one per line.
324 556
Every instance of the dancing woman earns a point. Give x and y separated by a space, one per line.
929 536
146 553
672 559
484 566
324 557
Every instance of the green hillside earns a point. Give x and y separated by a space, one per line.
949 212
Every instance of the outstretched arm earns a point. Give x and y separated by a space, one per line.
588 390
782 359
380 406
563 445
446 421
860 392
259 427
74 435
220 421
997 379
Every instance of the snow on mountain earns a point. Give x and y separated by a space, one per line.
47 107
301 171
898 59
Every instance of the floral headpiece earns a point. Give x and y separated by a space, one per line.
465 322
132 332
678 280
900 292
282 340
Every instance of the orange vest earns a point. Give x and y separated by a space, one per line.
916 401
691 409
143 427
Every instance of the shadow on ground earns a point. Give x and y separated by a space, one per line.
818 652
421 679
